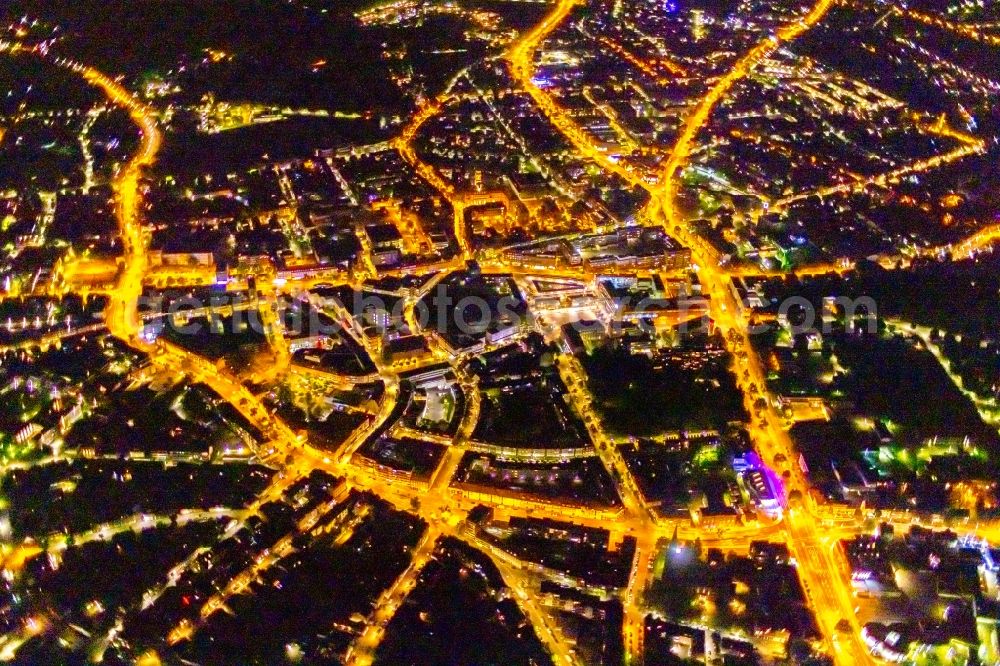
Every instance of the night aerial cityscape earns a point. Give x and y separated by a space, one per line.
500 332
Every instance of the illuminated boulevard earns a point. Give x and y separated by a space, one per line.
823 573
